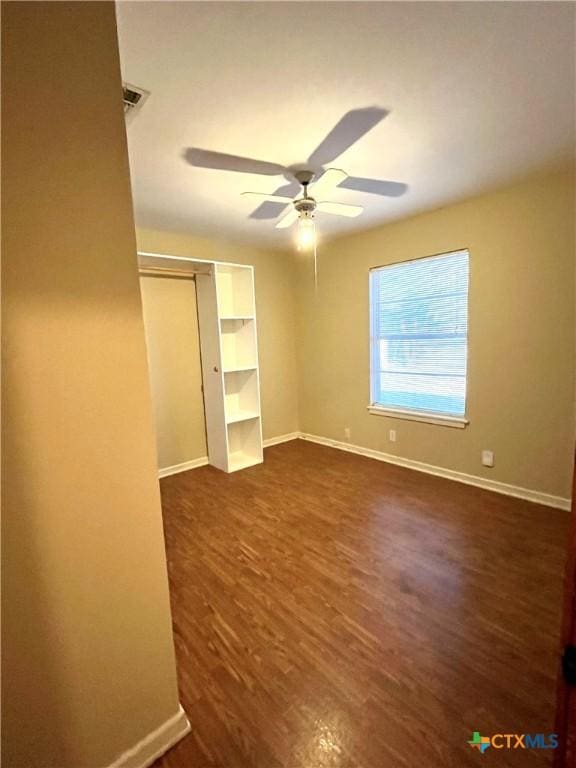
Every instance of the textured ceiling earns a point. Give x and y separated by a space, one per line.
478 94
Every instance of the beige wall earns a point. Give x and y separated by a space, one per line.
521 335
88 662
275 311
88 657
173 345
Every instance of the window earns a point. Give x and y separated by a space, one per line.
419 329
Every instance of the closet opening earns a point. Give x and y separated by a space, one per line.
201 336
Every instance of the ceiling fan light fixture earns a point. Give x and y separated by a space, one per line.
306 235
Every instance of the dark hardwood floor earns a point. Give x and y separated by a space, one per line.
335 611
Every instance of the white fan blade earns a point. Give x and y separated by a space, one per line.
273 198
288 220
329 179
340 209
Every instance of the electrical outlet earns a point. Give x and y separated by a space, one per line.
488 458
347 433
392 435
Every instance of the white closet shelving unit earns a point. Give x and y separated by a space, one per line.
229 350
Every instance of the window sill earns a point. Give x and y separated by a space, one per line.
458 422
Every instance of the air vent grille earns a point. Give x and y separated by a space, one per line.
133 98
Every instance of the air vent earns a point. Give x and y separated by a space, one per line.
133 98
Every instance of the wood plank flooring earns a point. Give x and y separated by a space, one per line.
332 611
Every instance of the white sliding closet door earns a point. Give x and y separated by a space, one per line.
171 325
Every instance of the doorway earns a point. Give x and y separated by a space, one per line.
172 340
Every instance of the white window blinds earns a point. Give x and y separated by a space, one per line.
419 330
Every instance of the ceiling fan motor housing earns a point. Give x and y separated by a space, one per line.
306 206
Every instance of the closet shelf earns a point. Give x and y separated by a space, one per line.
235 369
240 460
233 424
236 416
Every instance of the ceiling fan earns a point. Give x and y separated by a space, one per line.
303 208
347 131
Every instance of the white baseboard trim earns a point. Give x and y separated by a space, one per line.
153 746
547 499
280 439
558 502
184 467
203 460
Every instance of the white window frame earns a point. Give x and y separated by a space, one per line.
376 409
